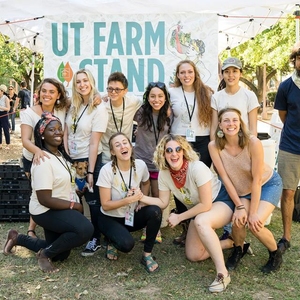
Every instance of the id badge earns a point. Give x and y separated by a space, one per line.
129 216
73 148
190 135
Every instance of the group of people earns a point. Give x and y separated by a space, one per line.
10 102
180 134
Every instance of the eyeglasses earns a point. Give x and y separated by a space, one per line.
171 150
117 90
158 84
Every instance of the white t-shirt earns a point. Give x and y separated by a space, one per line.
30 118
244 100
197 175
49 175
181 115
107 179
96 121
132 104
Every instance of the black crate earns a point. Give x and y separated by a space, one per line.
15 184
18 197
14 213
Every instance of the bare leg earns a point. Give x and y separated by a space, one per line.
287 207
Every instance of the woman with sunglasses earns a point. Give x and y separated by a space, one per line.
191 105
54 204
86 123
123 182
206 200
154 119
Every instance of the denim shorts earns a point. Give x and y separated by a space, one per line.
271 190
223 196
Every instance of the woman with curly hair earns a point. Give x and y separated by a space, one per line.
191 105
123 182
154 119
206 200
53 203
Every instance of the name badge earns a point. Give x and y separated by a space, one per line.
190 135
129 216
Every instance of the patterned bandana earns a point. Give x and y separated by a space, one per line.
179 177
47 117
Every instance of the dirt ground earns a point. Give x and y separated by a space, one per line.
15 150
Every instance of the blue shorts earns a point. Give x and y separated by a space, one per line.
224 197
271 190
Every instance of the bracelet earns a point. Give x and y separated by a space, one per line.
240 208
92 173
72 203
242 205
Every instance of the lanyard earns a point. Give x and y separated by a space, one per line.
74 126
65 164
154 130
129 185
187 105
115 121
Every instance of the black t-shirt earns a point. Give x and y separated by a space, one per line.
24 96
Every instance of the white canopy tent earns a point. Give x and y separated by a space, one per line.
238 20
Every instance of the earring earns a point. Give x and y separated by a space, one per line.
220 133
57 101
240 133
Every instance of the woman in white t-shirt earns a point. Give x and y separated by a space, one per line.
86 123
54 204
51 97
199 190
124 182
191 105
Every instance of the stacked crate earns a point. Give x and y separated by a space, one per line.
15 191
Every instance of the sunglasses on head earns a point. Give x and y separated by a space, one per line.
170 150
158 84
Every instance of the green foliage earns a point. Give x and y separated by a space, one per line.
271 47
16 63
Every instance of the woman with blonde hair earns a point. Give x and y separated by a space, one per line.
86 122
202 194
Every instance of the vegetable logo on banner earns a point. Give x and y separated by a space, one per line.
144 47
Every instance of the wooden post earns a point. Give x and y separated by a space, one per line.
264 114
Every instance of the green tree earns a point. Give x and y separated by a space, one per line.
16 63
271 48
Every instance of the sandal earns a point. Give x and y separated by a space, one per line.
31 231
151 263
112 252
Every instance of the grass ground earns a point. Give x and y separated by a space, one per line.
98 278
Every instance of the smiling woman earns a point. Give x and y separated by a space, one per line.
53 198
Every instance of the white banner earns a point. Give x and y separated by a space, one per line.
144 47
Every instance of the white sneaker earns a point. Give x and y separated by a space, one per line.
220 283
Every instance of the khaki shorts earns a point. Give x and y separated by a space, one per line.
289 169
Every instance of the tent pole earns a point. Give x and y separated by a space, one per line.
32 78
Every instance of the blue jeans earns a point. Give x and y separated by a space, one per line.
12 118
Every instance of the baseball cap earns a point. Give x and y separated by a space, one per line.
3 88
232 62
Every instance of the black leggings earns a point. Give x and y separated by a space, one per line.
119 235
63 229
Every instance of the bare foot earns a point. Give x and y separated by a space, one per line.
111 252
45 263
